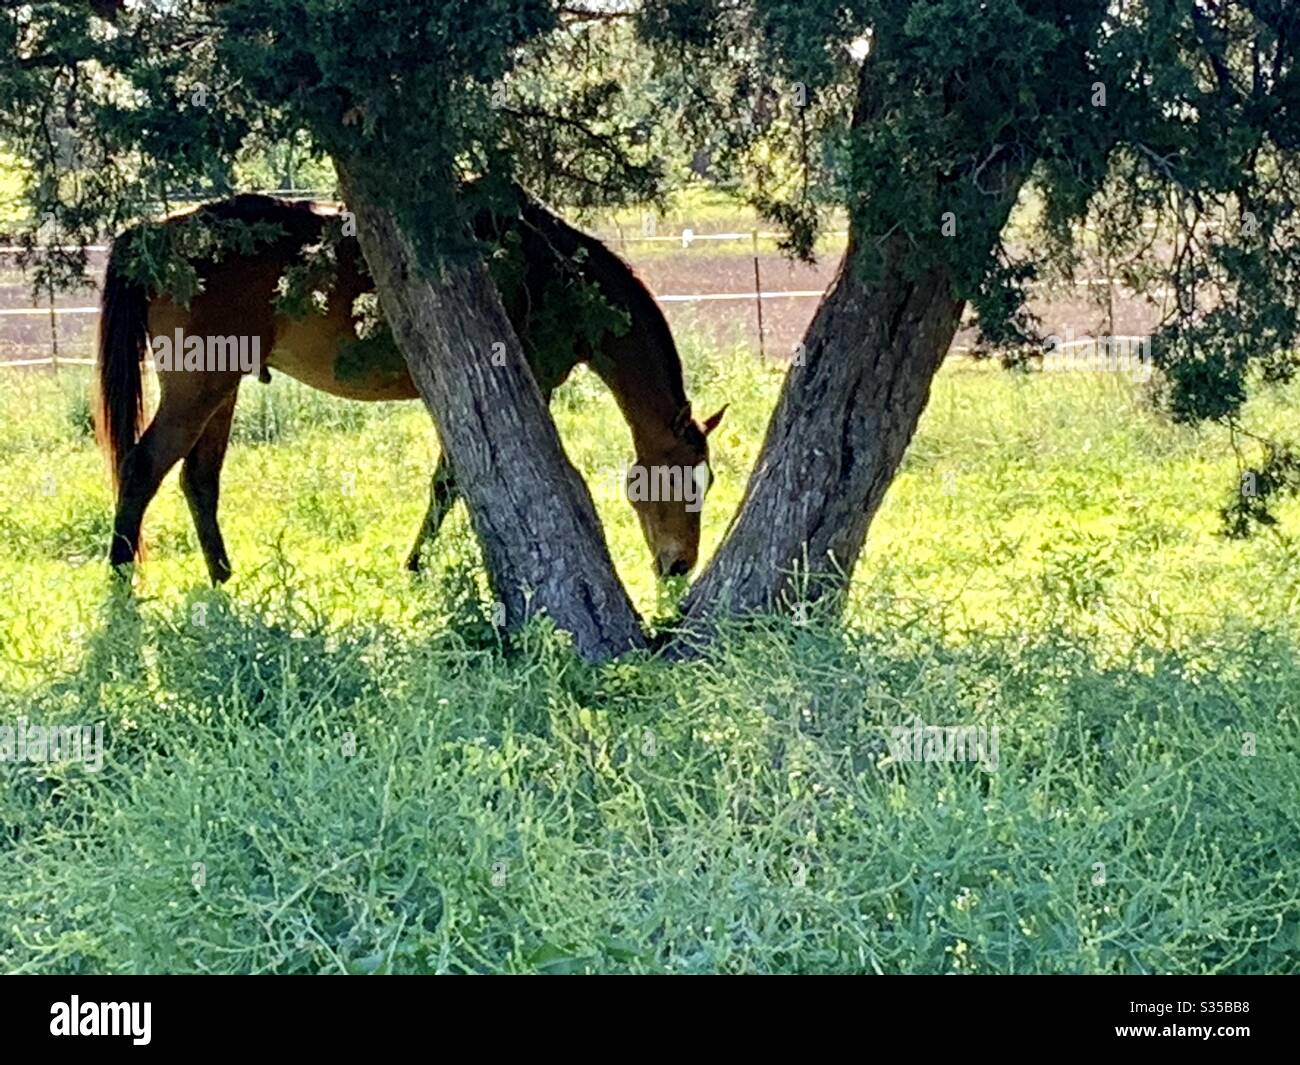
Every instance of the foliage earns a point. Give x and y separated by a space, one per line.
565 312
11 185
117 117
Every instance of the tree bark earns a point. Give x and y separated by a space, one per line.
847 411
542 543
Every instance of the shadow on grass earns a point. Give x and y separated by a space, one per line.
641 815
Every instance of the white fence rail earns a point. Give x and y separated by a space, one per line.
45 312
49 360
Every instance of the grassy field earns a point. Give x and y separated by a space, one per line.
331 767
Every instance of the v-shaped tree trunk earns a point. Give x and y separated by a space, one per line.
541 540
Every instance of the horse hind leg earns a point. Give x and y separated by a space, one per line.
442 497
201 482
184 409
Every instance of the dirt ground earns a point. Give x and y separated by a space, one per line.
1069 314
27 336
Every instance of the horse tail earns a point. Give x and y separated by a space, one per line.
123 339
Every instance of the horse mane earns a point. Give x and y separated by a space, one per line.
618 281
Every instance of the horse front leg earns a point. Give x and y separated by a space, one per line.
442 496
201 482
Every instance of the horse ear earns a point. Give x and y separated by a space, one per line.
682 420
712 421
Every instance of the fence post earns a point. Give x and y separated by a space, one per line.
758 300
54 329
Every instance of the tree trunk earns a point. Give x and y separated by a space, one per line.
849 407
542 543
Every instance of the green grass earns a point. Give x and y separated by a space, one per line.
12 210
371 783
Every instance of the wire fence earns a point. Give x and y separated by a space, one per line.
684 238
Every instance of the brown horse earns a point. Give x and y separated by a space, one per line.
334 346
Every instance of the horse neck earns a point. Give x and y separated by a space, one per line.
646 381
